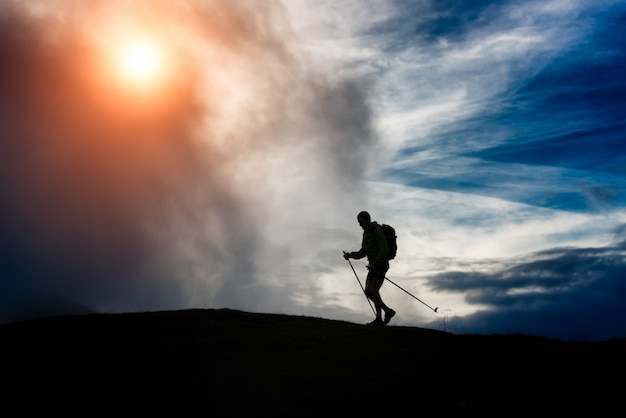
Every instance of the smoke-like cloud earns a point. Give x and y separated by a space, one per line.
190 197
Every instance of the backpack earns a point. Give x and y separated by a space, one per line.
390 236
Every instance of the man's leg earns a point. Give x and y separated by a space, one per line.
373 284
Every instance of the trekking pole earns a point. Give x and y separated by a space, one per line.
393 283
362 288
435 309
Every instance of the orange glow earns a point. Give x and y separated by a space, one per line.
139 74
140 61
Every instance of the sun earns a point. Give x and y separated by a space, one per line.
141 62
138 70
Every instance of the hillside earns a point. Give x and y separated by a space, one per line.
233 363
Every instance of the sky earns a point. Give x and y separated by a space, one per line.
229 174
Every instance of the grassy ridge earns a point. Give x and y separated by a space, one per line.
233 363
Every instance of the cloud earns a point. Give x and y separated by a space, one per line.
566 293
511 101
487 134
191 197
500 137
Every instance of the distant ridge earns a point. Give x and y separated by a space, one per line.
38 305
224 362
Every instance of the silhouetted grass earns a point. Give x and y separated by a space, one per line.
233 363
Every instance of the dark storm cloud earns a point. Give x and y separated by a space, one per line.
124 205
567 293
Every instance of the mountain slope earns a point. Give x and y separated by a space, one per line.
233 363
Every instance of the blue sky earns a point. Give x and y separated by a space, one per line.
503 129
489 133
559 109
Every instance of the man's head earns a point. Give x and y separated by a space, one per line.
364 219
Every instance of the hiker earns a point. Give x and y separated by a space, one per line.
374 247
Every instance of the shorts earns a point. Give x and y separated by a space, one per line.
376 277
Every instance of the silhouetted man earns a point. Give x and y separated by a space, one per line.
374 247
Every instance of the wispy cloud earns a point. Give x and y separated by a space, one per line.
533 87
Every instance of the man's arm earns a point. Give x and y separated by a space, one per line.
354 254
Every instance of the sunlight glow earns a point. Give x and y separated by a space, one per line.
141 62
